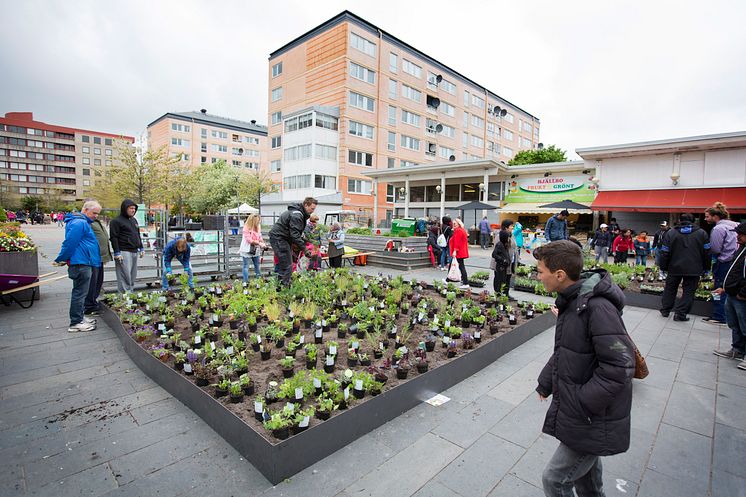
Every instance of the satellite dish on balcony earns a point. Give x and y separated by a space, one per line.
503 113
438 128
452 158
438 78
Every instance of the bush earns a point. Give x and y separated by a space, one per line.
359 231
3 215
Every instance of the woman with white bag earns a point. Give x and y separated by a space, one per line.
252 245
459 245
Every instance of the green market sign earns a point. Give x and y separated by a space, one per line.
551 189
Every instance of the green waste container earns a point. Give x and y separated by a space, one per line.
401 227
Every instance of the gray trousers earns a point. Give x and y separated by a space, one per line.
127 272
568 469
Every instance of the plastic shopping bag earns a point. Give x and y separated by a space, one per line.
454 273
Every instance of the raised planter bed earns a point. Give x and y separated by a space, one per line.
647 301
280 459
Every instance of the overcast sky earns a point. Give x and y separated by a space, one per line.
594 72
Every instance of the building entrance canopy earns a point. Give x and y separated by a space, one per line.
679 200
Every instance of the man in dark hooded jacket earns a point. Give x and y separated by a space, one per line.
124 234
685 257
287 235
589 375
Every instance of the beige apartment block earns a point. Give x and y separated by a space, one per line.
199 138
382 104
37 158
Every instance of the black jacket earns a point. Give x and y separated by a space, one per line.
735 278
501 256
124 232
589 376
602 239
685 251
658 238
290 226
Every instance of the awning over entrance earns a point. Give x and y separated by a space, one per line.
679 200
533 208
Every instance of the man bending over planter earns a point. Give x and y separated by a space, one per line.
80 252
589 376
287 233
179 248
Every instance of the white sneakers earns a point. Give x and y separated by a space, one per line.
82 326
464 287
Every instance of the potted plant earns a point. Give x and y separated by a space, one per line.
286 363
311 355
402 369
342 330
352 358
364 359
451 349
430 342
279 425
420 360
467 341
201 374
221 388
179 360
259 406
324 407
236 392
247 384
292 348
251 322
265 351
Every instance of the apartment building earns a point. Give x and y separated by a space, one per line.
37 158
347 97
199 138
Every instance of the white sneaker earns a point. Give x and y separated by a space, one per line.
464 287
83 326
89 320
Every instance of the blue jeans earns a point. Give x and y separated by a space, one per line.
484 239
641 260
167 271
94 288
445 258
248 260
568 469
81 276
718 306
234 231
735 315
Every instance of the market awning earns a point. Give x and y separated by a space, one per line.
678 200
533 208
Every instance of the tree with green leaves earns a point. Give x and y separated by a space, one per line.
538 156
253 184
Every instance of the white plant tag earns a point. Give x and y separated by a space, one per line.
347 393
332 350
393 329
229 350
258 407
197 339
355 345
358 384
183 302
161 326
420 316
330 360
435 320
147 307
447 323
290 407
318 334
304 423
187 368
302 339
245 292
477 334
371 308
258 339
381 346
212 345
298 393
316 383
161 299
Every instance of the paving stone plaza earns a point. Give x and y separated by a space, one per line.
77 417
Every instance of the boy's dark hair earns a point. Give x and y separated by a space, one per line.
562 254
686 218
310 201
507 223
446 221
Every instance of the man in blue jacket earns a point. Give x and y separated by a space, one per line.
179 248
556 228
80 252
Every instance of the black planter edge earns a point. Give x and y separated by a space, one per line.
284 459
647 301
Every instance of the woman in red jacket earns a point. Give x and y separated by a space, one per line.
622 245
459 245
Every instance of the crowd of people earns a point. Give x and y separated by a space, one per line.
36 217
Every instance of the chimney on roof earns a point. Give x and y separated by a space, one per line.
204 111
253 121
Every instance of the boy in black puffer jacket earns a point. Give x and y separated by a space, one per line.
589 375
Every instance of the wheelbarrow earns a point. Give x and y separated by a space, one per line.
13 283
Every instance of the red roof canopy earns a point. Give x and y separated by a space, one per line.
679 200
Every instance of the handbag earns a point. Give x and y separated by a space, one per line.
454 273
442 242
641 367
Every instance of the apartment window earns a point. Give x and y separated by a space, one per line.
275 166
390 162
235 138
97 151
478 101
86 160
299 122
251 153
107 141
326 152
277 117
477 121
508 135
251 139
447 108
296 182
448 86
251 165
465 139
181 128
490 129
97 140
185 157
107 152
223 135
298 152
446 152
236 163
507 152
276 93
360 129
508 117
466 119
392 115
410 118
203 160
237 151
493 147
358 186
390 195
326 182
219 148
411 68
362 102
203 132
86 150
448 131
527 127
525 143
362 73
392 141
362 44
467 97
277 69
477 141
326 121
96 162
407 163
203 147
107 163
392 88
360 158
410 142
276 141
393 62
411 93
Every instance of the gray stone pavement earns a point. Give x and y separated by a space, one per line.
77 417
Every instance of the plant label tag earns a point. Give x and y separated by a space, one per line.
323 322
318 334
197 339
212 289
298 393
371 308
420 316
290 407
316 383
477 334
393 329
258 407
382 305
302 339
212 345
318 324
447 323
435 320
380 346
183 302
229 350
347 393
162 299
209 321
161 326
355 345
187 368
304 423
147 307
332 350
358 384
344 302
245 292
330 360
258 339
129 302
219 291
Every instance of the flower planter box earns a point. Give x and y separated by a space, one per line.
278 461
26 262
647 301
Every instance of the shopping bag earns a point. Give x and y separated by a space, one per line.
454 274
442 242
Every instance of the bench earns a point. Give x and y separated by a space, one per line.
347 257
